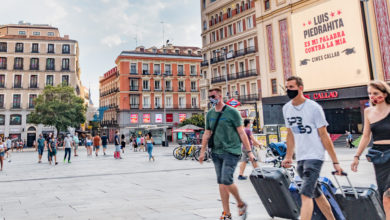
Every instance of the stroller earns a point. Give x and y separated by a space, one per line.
276 153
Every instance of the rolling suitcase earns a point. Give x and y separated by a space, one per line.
271 184
359 202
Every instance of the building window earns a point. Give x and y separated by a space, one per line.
50 48
1 100
31 100
193 70
274 86
36 33
168 69
65 64
34 64
2 81
267 4
146 103
221 34
18 63
66 49
34 48
19 47
204 25
180 70
3 47
181 86
18 81
16 101
157 69
204 4
249 23
239 27
157 102
65 80
157 85
50 34
3 63
15 119
2 119
182 102
145 69
168 85
168 101
134 101
177 51
213 37
229 12
50 64
145 84
34 81
49 80
203 94
230 30
133 69
22 32
194 102
193 86
238 8
134 85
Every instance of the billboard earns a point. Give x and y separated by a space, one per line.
146 118
158 118
329 45
134 118
182 117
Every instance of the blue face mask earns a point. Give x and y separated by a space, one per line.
213 100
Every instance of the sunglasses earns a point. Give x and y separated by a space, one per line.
212 97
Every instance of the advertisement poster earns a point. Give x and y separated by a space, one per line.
158 118
273 138
283 134
134 118
329 45
182 117
169 117
146 118
262 139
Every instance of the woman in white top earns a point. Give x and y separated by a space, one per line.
2 152
149 143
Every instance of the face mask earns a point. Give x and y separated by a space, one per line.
213 100
377 99
292 93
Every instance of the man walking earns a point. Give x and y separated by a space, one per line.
96 144
41 143
104 143
8 144
117 153
76 142
68 143
306 127
226 123
52 150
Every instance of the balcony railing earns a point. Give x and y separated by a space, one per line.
17 86
133 72
233 76
180 74
34 67
145 72
134 88
50 68
157 89
18 67
145 89
134 106
158 73
168 90
15 105
181 90
236 53
33 86
204 63
3 67
247 98
168 73
31 106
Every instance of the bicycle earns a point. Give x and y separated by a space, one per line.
207 154
184 151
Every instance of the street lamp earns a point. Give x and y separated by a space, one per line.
226 76
165 115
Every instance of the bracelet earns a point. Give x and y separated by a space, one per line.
358 157
335 163
248 152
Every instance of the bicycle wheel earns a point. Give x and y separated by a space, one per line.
174 151
181 153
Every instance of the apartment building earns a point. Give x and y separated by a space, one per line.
156 87
31 57
230 55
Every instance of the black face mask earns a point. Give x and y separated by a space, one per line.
292 93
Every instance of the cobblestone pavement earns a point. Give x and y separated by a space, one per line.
131 188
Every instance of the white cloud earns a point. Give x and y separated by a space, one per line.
111 40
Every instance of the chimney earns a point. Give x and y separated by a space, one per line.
66 37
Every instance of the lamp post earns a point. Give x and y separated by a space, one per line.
165 115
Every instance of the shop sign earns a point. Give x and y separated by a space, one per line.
158 118
169 117
233 102
134 118
182 117
326 37
323 95
146 118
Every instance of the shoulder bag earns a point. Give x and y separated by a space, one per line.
211 140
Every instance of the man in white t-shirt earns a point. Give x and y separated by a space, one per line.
306 124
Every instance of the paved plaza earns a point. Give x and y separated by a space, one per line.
131 188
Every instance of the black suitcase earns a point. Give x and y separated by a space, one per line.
359 202
272 186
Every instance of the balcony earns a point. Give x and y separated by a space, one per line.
134 106
34 51
218 79
168 90
3 67
193 74
181 90
134 88
194 90
31 106
146 89
204 63
180 74
33 86
51 68
239 53
250 50
145 72
233 76
16 106
157 73
34 67
168 73
18 67
17 86
247 98
157 89
245 74
65 69
133 72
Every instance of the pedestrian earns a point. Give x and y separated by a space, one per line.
224 133
104 143
135 145
149 142
306 131
48 139
88 145
41 144
53 143
350 140
138 141
76 142
68 144
96 143
19 145
377 125
123 143
2 152
8 144
117 153
142 143
244 155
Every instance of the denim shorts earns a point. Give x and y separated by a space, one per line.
117 148
225 164
40 150
104 146
2 154
309 171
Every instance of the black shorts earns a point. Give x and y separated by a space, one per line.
382 171
309 171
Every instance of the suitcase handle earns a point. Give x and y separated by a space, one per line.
349 182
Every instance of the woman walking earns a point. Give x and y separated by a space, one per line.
88 145
149 143
123 143
2 152
377 123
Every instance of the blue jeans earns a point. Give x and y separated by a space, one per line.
225 164
150 150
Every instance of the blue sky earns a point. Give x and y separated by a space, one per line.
104 28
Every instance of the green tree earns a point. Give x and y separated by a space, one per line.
58 107
197 120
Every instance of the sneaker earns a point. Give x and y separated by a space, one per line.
69 162
242 211
64 160
224 216
240 177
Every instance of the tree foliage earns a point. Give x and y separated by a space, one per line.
58 107
197 120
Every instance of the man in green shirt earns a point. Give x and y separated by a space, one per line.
226 152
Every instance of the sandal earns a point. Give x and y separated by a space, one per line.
242 211
224 216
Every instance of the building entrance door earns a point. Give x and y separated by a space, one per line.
341 120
